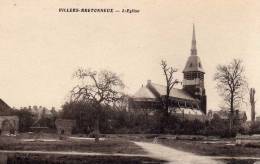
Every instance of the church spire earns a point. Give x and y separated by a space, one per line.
193 43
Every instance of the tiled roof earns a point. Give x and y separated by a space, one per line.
175 92
5 110
193 64
144 92
3 105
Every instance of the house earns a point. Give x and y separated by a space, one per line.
224 114
9 123
65 126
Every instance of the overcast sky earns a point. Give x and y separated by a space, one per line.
40 48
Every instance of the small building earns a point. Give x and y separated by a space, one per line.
65 126
257 118
240 116
9 125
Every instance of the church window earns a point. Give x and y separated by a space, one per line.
190 64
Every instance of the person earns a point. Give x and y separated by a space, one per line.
155 140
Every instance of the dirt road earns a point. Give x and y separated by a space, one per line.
173 155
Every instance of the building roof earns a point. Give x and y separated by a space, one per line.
175 92
5 109
3 105
154 91
144 92
193 63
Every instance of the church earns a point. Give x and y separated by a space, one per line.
190 100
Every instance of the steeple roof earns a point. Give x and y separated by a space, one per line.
193 63
193 42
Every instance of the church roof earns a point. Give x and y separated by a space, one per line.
154 91
193 63
144 92
175 92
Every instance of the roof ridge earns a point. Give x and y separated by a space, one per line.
165 86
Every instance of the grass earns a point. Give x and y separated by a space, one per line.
58 159
121 144
110 145
212 149
113 145
200 145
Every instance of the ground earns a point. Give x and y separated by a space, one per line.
201 145
50 142
222 147
175 156
48 149
123 148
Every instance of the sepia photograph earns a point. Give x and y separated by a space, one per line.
129 82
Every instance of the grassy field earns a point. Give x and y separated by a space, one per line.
201 145
122 144
50 142
109 145
72 159
224 147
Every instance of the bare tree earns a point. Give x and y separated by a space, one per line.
97 88
252 103
231 84
170 82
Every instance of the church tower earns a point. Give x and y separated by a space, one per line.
193 76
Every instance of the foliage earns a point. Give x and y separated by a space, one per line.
29 116
25 119
255 128
97 89
231 83
170 82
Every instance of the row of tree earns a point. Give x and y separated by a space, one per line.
104 89
97 102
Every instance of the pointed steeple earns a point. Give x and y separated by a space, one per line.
193 42
193 63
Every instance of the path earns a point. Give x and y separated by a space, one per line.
173 155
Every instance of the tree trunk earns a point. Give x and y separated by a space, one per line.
96 126
253 112
231 119
96 131
165 114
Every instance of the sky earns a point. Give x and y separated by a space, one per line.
40 48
